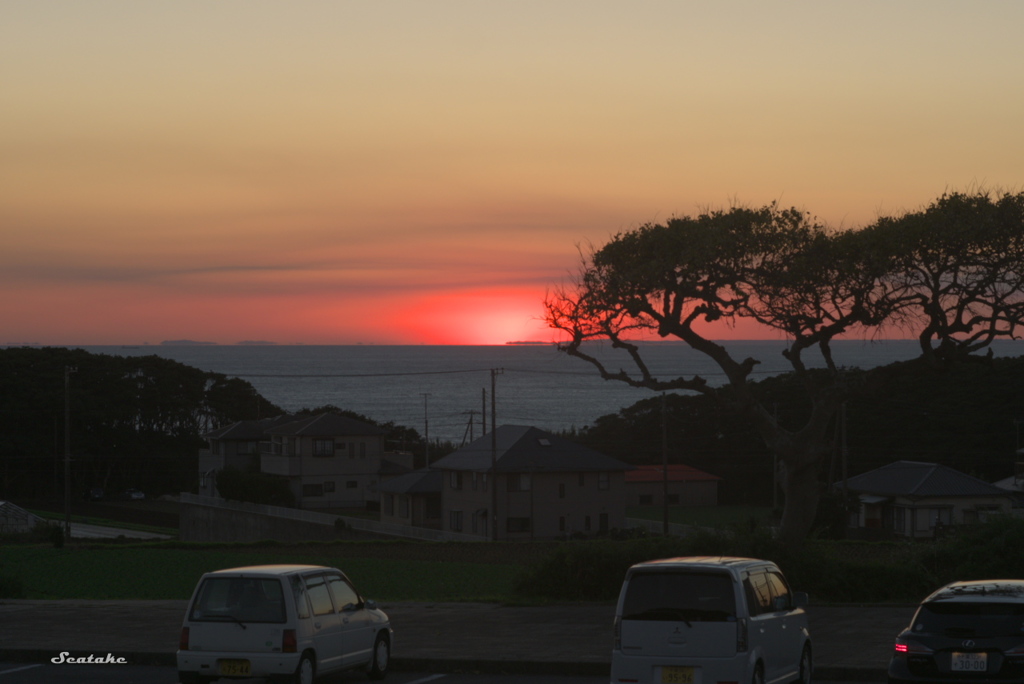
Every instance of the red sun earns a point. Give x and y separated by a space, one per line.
491 317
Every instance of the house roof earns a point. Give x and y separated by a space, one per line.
917 479
424 481
326 425
522 448
248 430
676 473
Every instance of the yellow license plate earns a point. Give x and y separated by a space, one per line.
677 675
234 668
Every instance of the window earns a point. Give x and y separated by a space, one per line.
240 598
328 486
323 447
518 482
759 595
351 484
301 601
586 523
362 450
673 499
389 504
602 480
312 490
517 525
345 597
319 596
646 500
351 450
455 479
561 490
657 596
455 521
483 481
781 598
475 483
403 507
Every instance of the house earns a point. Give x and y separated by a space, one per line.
522 483
233 446
331 460
413 498
914 499
687 486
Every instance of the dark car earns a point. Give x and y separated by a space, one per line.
964 632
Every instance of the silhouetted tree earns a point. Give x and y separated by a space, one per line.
951 275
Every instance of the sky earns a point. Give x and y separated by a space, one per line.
425 172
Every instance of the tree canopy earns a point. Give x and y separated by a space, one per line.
948 275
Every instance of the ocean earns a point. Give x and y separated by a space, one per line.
440 389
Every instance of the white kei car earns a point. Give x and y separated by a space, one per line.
288 623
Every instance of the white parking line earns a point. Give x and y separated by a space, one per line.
416 681
19 669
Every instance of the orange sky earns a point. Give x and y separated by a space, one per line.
424 172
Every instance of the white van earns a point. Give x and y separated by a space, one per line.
288 623
710 620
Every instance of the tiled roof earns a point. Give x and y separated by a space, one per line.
676 473
245 430
417 482
523 449
916 479
327 425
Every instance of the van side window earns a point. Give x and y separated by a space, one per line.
319 596
759 595
301 601
782 599
345 597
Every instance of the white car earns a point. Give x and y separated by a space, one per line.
287 623
702 620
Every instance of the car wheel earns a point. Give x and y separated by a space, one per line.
806 666
381 657
758 677
305 673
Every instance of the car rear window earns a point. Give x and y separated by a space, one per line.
970 619
680 596
239 599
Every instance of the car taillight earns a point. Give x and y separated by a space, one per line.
741 635
908 647
183 639
289 644
1016 651
617 631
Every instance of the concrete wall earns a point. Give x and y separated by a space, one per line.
208 519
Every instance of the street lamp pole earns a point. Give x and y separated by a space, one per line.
68 370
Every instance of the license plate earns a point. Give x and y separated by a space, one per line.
234 668
969 662
677 675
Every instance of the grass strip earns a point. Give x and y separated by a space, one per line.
140 572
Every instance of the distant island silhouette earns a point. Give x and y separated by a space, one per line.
186 343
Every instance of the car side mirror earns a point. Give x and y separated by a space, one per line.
801 599
370 604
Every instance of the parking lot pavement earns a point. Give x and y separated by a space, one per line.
850 642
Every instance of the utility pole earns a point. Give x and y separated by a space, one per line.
68 370
664 466
494 455
483 411
426 432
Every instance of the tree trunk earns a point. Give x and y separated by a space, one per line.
800 487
